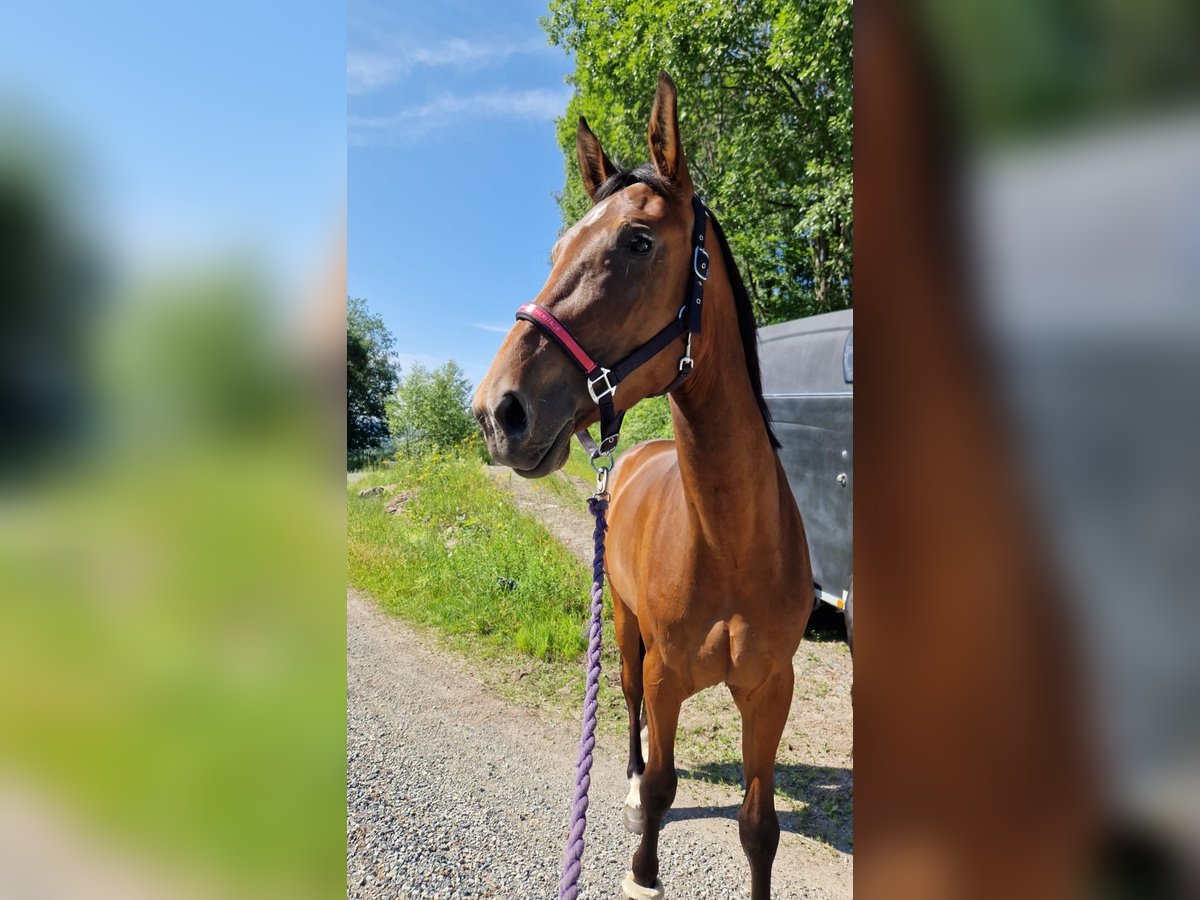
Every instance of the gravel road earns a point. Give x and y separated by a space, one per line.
455 793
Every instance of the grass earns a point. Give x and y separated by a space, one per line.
490 582
460 558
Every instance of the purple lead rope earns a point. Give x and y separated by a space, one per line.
568 885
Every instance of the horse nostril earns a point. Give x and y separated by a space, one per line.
510 413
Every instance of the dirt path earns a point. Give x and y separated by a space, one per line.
564 516
453 792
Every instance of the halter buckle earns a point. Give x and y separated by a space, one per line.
700 263
610 389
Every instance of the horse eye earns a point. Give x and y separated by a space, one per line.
640 243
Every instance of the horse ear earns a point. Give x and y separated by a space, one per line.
666 149
594 166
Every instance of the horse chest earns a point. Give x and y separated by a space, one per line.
709 652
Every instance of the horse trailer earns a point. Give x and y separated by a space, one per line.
808 383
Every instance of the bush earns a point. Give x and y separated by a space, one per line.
430 411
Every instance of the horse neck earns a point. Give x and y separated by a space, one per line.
730 472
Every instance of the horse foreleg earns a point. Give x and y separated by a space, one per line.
764 712
629 641
664 696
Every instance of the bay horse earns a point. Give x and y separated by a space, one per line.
707 557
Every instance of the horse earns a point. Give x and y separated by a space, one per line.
707 557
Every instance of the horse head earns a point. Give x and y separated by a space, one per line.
617 277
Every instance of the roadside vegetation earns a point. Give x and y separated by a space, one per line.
441 545
434 540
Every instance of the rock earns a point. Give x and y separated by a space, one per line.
396 505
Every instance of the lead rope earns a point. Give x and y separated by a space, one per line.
568 885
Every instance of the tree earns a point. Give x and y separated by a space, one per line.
370 378
430 410
765 109
53 281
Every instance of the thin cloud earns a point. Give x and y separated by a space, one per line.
447 110
488 326
371 69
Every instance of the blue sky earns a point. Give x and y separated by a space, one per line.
198 134
452 168
195 132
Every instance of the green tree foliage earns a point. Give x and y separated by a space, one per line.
370 379
765 108
53 282
430 410
1026 67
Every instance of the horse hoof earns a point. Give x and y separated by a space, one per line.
634 891
635 819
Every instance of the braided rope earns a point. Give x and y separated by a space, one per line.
568 885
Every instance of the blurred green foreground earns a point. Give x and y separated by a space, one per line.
172 679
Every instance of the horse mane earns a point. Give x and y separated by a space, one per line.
647 175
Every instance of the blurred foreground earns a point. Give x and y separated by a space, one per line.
171 519
1027 237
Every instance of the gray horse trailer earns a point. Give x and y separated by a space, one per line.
808 383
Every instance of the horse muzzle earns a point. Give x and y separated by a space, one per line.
532 444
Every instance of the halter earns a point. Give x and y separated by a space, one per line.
602 381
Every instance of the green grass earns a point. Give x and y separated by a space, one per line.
460 558
445 563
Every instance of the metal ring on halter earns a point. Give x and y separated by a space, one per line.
601 467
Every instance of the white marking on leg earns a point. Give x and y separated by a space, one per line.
634 891
645 743
635 792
